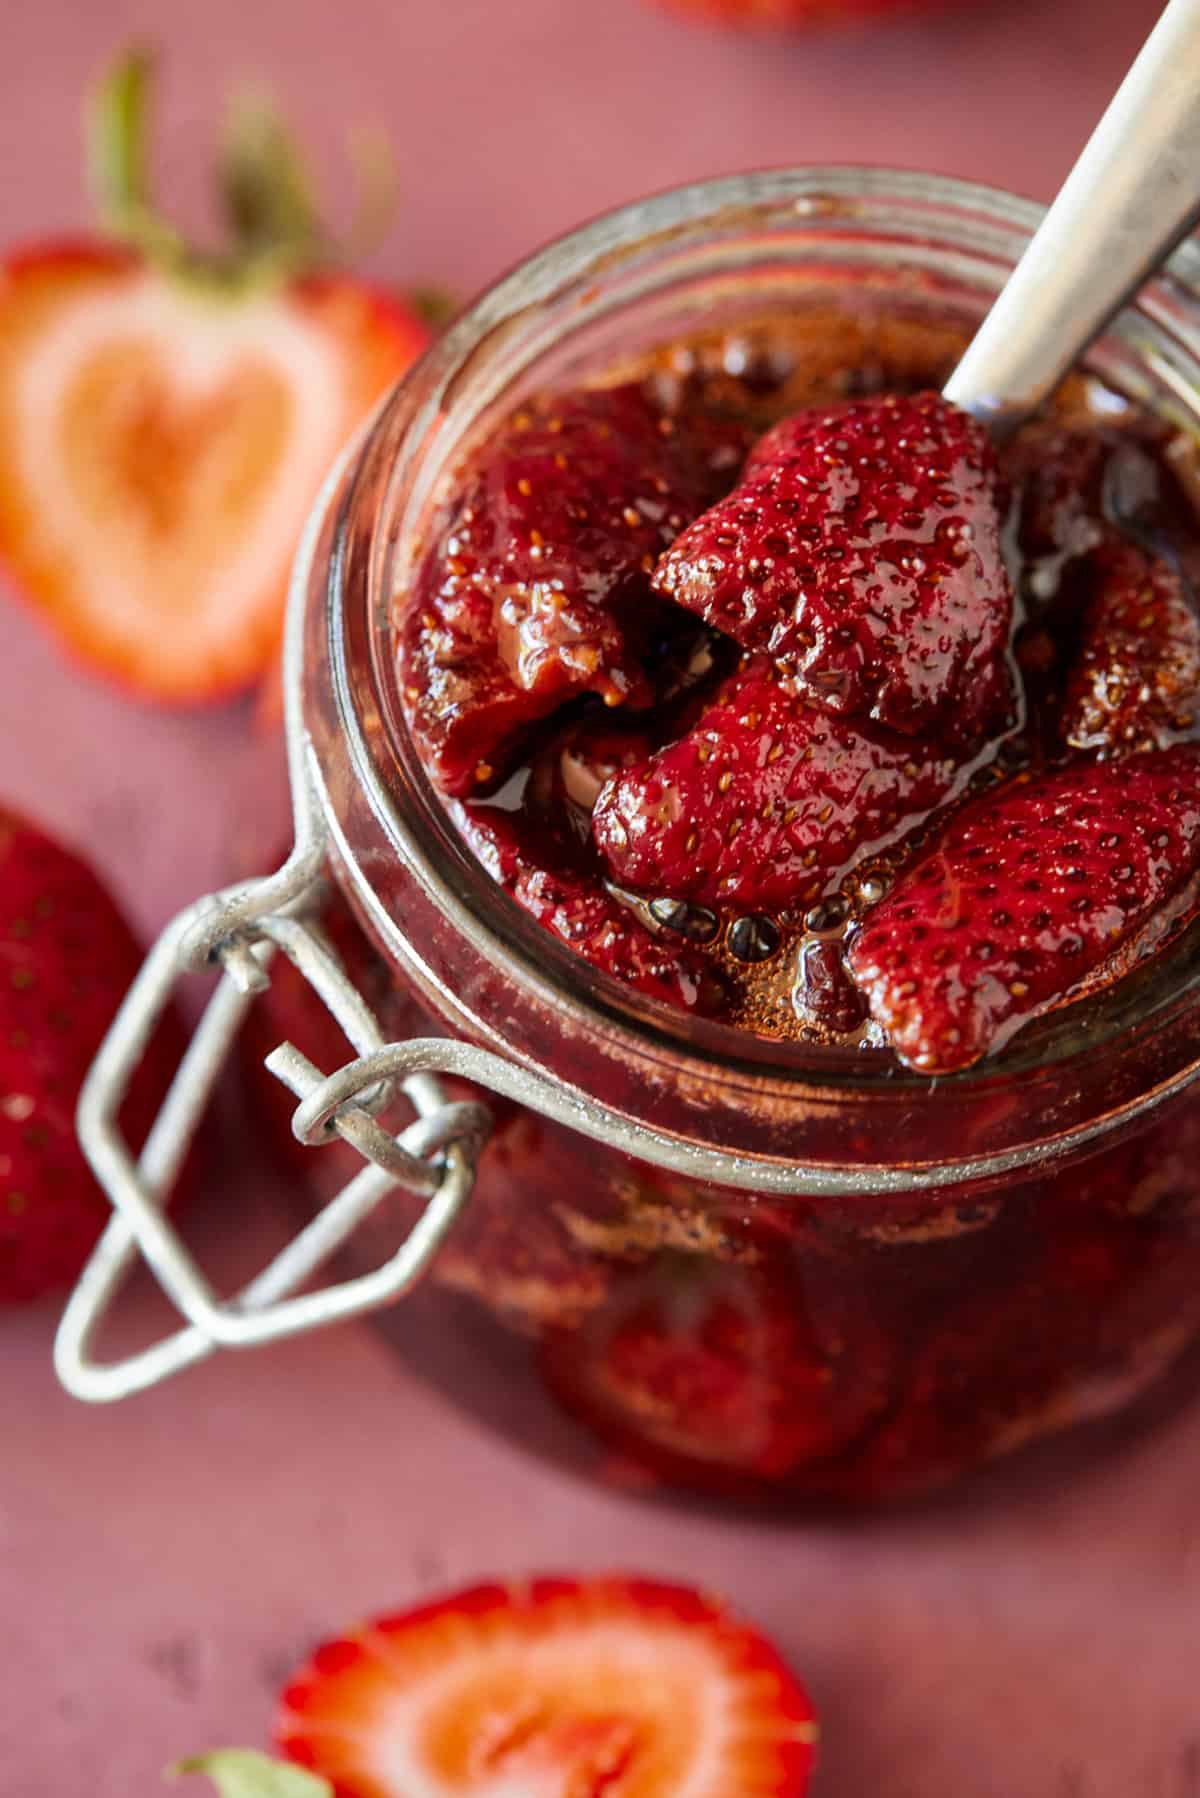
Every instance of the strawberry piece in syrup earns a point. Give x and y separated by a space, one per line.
765 801
861 553
1026 892
573 904
1135 681
719 1376
535 586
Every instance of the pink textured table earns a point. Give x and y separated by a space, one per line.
163 1563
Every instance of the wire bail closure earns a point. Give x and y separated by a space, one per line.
240 930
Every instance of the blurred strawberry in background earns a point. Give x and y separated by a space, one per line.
789 14
66 958
167 414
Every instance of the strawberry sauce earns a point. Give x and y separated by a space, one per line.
709 655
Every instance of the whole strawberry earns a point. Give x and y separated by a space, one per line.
794 14
66 959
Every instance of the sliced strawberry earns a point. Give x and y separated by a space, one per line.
765 801
534 587
720 1377
166 419
1135 681
67 957
1026 892
861 552
553 1688
160 448
574 906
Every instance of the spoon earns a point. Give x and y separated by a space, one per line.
1132 195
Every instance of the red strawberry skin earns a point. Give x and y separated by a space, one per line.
575 907
861 552
1135 681
765 801
791 15
553 1688
66 959
534 588
1026 892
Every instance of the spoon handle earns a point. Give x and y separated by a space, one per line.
1134 192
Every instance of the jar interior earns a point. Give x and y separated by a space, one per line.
824 245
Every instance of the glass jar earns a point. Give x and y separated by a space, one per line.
700 1258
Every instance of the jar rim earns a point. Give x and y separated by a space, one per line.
416 419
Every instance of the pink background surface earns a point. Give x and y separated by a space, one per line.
163 1563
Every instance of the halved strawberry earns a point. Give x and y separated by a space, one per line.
861 553
553 1688
166 419
1026 892
765 801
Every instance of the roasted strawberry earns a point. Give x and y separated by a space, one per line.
534 587
765 801
552 1688
166 419
1135 680
861 553
1027 891
574 905
67 956
720 1376
1057 471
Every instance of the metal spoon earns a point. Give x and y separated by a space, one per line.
1131 197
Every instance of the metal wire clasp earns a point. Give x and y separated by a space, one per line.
240 931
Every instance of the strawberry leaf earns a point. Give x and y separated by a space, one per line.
265 186
117 127
244 1773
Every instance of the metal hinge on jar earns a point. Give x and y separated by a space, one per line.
239 932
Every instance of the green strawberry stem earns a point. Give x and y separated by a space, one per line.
244 1773
267 197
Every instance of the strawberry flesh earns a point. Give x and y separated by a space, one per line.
571 902
552 1688
151 502
1025 893
765 801
535 586
861 553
